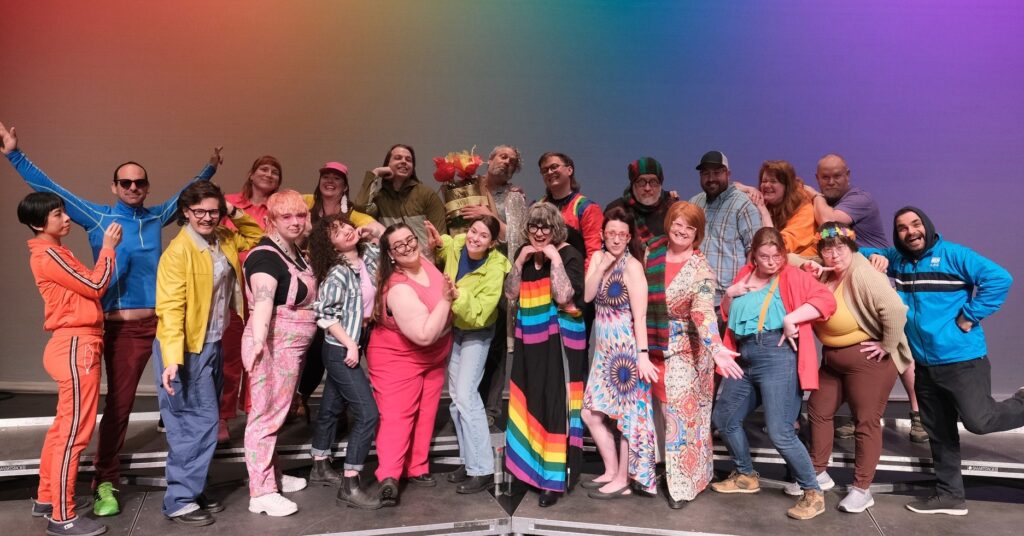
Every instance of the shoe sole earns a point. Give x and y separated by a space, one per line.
389 495
265 511
947 511
799 518
737 490
377 506
193 523
106 514
97 532
848 510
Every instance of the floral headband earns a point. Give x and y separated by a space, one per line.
833 232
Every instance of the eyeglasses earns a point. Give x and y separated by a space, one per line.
621 235
405 246
202 213
766 258
551 168
538 228
127 183
835 251
647 183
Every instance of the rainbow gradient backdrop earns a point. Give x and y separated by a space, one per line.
923 98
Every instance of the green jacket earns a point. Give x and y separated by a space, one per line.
413 204
479 291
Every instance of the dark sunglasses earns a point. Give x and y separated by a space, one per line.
127 183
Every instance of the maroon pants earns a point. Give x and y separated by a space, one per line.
127 345
846 375
231 346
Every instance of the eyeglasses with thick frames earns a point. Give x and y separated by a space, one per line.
550 168
405 246
203 213
128 183
537 228
647 183
621 235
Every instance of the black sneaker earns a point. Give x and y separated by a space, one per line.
937 504
46 509
77 526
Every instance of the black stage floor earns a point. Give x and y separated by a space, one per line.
997 492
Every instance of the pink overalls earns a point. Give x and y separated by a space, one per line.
272 380
407 380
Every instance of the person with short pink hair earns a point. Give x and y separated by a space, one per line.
281 288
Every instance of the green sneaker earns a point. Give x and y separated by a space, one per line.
106 501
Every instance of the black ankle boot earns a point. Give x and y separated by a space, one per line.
353 495
322 473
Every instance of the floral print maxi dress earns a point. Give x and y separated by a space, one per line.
614 386
689 378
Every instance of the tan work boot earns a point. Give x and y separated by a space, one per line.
917 432
811 504
738 483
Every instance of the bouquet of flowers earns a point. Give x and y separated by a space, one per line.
460 187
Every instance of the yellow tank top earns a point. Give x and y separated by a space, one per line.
841 328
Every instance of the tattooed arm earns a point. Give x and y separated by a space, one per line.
264 286
515 276
562 286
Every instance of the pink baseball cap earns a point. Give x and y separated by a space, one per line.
335 166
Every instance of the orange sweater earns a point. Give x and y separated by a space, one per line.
800 232
71 292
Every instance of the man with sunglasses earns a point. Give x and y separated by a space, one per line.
130 319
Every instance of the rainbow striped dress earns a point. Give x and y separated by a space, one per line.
544 435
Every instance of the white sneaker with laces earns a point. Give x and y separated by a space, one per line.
272 504
291 484
825 481
856 501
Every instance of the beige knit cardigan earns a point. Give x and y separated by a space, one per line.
877 308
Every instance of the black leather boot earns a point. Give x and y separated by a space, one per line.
353 495
323 474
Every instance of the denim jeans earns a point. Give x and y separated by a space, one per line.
769 378
345 385
963 390
191 416
465 369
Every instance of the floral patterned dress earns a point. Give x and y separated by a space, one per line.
614 386
689 378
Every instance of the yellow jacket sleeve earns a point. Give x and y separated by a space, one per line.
171 298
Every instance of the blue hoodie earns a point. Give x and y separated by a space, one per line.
938 284
134 282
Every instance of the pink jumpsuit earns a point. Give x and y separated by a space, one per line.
272 379
407 381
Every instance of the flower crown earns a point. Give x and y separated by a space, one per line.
463 163
833 232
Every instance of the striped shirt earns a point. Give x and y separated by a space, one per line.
732 221
340 297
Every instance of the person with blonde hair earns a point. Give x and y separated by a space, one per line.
281 289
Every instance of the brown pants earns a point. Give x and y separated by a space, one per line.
847 376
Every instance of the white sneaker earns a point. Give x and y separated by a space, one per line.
856 501
272 504
824 481
291 484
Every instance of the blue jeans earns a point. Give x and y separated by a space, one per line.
191 416
465 369
345 385
769 378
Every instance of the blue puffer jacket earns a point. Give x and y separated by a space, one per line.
946 280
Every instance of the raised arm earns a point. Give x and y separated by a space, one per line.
89 283
168 209
82 212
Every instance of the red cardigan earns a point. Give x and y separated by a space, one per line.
796 288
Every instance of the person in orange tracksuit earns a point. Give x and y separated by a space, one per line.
71 297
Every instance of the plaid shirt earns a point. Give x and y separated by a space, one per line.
732 221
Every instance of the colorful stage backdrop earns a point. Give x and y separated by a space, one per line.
922 97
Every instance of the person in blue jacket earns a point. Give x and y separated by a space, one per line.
949 290
130 301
